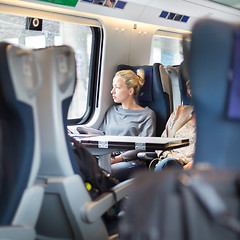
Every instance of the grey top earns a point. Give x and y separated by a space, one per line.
129 122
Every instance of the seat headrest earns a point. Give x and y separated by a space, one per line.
233 110
145 93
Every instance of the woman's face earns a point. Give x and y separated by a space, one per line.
120 92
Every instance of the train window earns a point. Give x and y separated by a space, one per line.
233 4
167 49
17 30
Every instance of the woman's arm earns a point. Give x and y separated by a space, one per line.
188 165
116 159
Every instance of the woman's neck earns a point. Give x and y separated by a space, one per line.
131 105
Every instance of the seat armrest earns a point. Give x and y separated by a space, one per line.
95 209
147 155
17 232
30 206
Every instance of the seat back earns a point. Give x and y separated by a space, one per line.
20 144
182 77
152 94
167 85
57 67
36 87
173 73
210 64
65 197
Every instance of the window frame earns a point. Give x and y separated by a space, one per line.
59 14
94 73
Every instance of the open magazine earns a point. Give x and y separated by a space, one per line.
89 130
83 132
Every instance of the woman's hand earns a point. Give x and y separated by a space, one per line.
188 165
182 160
116 159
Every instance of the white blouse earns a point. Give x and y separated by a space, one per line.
187 131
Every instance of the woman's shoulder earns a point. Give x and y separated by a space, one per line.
111 111
184 108
149 111
182 111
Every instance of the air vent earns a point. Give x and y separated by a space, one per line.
178 17
171 15
164 14
120 4
174 16
184 18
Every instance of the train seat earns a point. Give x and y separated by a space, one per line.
215 82
67 211
174 80
173 75
212 62
21 198
153 95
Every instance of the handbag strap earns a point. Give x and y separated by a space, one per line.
210 201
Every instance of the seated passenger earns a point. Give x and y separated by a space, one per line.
181 124
128 118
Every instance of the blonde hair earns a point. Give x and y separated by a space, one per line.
133 80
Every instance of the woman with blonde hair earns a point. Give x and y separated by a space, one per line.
127 118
